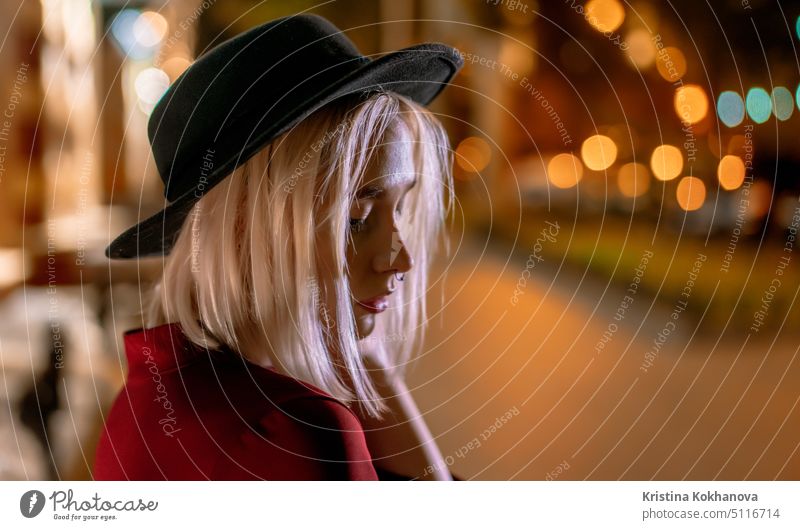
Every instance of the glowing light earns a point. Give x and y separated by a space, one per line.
598 152
641 49
671 63
730 172
760 199
175 66
797 29
473 154
759 105
564 170
666 162
150 85
604 15
633 179
782 103
730 108
149 29
518 57
691 103
691 193
12 267
126 35
797 96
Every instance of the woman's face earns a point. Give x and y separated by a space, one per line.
376 252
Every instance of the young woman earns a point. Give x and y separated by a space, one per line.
307 186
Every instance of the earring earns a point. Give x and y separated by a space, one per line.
401 277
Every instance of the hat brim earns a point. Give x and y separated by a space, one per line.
418 72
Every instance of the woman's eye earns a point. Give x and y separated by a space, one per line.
357 225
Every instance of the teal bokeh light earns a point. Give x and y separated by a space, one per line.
782 103
759 105
730 108
797 96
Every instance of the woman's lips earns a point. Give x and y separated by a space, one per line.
375 305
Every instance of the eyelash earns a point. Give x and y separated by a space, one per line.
357 225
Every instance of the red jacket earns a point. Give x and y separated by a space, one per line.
189 414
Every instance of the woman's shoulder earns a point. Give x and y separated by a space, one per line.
310 437
217 415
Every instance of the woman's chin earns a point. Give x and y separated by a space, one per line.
365 324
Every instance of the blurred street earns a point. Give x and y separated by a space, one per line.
709 407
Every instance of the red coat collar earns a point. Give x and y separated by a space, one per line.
164 346
157 350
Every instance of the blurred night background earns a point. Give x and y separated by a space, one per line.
623 281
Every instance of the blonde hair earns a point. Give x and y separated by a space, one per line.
244 274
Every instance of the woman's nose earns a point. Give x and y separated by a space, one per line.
398 258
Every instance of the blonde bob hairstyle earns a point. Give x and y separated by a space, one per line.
244 273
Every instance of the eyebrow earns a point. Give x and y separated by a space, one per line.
372 191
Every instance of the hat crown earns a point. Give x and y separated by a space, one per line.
243 83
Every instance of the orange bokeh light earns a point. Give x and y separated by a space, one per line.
691 193
671 63
473 154
666 162
691 103
564 170
730 172
633 179
598 152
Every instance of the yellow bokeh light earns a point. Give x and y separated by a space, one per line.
633 179
473 154
641 49
598 152
564 170
666 162
604 15
691 103
671 63
691 193
730 172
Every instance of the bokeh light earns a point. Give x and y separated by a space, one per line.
633 179
604 15
730 172
138 34
598 152
759 105
473 154
175 66
671 63
564 170
150 85
149 29
691 193
760 199
730 108
782 103
797 96
666 162
691 103
641 49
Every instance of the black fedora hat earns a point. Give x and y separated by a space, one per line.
248 90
